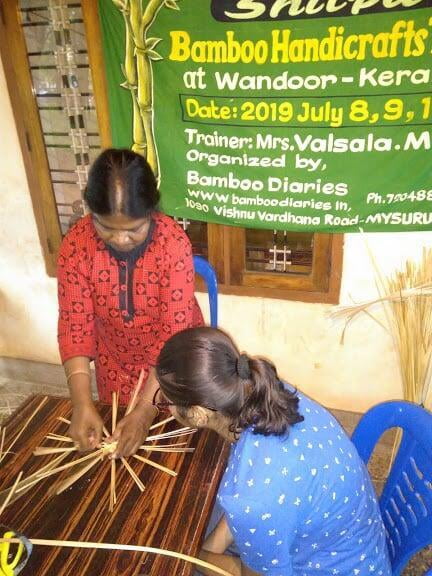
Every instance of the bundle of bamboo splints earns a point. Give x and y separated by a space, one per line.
406 296
85 463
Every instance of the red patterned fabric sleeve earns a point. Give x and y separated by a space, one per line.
76 331
177 296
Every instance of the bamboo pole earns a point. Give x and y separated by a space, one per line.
133 41
145 81
139 51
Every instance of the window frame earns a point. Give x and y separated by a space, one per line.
13 54
226 244
321 285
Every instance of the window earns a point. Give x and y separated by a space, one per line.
57 86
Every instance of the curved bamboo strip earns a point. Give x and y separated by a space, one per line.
125 547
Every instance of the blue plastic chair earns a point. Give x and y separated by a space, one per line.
406 501
206 271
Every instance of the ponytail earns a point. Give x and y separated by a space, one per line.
202 367
269 408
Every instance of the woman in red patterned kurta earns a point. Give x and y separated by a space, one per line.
125 285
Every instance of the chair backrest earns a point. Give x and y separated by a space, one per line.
206 271
406 501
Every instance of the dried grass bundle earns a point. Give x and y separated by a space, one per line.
406 296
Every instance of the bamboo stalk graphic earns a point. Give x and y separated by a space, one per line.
137 69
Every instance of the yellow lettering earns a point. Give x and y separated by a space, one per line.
348 52
207 111
180 41
280 47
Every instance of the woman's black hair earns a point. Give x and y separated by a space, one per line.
121 181
202 367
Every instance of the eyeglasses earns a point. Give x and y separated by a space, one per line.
165 404
162 404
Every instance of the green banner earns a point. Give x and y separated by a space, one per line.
307 115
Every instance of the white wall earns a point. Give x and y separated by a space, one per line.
305 343
300 338
27 296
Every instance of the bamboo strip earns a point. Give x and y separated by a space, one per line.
114 412
65 420
2 442
124 547
113 495
58 437
34 478
64 485
27 422
73 463
175 445
26 485
44 450
133 398
11 492
133 474
161 449
155 465
49 465
161 423
173 434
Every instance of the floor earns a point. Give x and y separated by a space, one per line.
20 379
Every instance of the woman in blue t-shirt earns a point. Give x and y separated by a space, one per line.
296 497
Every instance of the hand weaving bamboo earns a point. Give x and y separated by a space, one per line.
77 468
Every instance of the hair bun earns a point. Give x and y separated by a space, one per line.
243 369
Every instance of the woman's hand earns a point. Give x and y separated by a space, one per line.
133 429
86 426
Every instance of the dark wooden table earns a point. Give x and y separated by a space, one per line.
171 513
